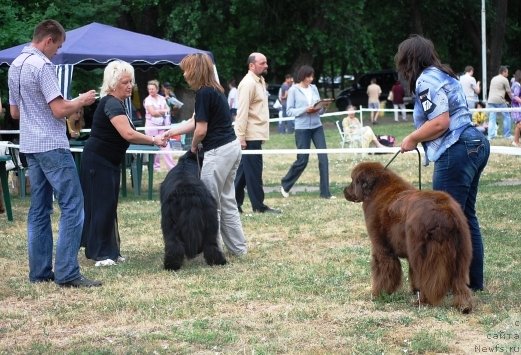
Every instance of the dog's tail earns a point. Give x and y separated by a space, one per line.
441 260
194 229
432 265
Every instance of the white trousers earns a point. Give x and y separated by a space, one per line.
218 174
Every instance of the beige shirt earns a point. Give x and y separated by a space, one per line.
252 121
499 86
373 92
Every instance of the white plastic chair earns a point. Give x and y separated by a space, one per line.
352 140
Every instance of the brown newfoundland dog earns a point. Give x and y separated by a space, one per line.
428 228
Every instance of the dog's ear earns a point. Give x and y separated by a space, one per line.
366 182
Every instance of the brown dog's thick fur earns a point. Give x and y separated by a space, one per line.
428 228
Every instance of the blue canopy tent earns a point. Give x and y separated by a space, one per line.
97 44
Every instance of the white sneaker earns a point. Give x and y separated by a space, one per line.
107 262
284 193
121 259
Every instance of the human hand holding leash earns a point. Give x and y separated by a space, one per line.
408 144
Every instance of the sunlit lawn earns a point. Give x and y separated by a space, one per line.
304 286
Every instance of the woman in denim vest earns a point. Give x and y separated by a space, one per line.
444 127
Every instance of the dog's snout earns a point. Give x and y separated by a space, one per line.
349 193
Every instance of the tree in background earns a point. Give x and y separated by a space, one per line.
336 37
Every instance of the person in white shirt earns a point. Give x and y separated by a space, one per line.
232 98
471 87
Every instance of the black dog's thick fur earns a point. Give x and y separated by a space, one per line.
188 216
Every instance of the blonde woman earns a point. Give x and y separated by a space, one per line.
212 127
110 135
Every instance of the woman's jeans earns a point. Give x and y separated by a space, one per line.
54 172
457 172
303 138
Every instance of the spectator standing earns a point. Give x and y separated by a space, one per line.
171 100
443 125
499 88
212 126
285 126
516 103
308 127
232 98
35 99
398 103
157 115
373 93
252 128
471 87
111 132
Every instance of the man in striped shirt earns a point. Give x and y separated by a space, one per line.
35 99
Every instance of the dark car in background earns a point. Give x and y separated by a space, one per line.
357 94
273 95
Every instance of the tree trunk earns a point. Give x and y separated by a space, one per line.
417 26
497 36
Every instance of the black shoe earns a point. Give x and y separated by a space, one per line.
81 281
268 210
47 279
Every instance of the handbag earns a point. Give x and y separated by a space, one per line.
386 140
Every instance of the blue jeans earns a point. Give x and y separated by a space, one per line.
303 138
457 172
54 171
492 124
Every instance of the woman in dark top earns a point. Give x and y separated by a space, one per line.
212 126
111 132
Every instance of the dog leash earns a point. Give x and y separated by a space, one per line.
419 166
199 147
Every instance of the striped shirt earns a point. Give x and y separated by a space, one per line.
436 93
32 86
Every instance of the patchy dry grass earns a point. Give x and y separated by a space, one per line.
304 286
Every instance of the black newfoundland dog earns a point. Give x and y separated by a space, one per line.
188 216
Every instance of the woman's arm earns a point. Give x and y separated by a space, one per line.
296 104
201 128
124 129
430 130
182 128
155 112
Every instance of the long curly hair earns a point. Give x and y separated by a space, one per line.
414 55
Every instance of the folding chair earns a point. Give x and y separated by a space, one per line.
353 140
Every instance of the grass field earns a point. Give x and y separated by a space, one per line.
303 288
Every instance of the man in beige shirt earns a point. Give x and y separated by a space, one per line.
499 88
373 93
252 129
